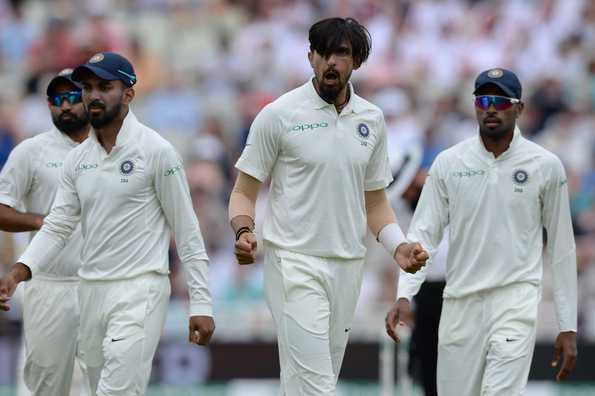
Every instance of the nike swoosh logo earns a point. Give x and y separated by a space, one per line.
510 339
116 339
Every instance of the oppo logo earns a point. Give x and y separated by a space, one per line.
312 126
469 173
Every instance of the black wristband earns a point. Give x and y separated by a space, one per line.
241 231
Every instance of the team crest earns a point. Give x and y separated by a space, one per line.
96 58
363 130
126 168
520 177
495 73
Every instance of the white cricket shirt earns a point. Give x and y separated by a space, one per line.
320 163
30 179
496 209
128 201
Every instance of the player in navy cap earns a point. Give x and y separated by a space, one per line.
496 193
30 180
127 186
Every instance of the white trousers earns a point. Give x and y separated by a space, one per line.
121 322
486 342
312 300
51 323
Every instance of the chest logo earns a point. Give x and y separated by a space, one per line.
126 168
309 126
363 130
520 177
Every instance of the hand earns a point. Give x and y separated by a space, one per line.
411 257
565 347
201 329
245 248
400 310
9 282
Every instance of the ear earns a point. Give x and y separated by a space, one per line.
311 58
356 65
520 108
128 95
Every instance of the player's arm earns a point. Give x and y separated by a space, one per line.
242 202
427 227
16 179
50 240
383 224
171 188
11 220
560 252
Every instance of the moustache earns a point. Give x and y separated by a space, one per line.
96 105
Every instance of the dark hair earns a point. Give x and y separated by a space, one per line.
327 35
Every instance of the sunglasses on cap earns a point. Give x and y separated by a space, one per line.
500 103
72 97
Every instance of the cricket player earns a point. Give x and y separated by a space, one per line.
324 148
30 179
129 188
497 192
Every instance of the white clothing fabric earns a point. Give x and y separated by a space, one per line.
51 337
128 201
312 300
121 325
31 177
486 341
496 210
320 163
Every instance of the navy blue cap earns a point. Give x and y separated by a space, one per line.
107 66
505 79
64 76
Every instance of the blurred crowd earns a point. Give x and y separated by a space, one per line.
206 67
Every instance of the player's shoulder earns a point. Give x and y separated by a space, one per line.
288 102
37 141
364 106
151 142
457 150
538 152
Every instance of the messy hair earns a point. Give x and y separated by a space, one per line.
327 35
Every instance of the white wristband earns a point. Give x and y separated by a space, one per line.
391 237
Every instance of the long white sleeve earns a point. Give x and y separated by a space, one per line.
172 191
427 227
560 249
57 226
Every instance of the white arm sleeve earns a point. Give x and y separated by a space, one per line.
560 250
427 227
172 191
57 226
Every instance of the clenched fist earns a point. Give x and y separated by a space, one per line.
411 257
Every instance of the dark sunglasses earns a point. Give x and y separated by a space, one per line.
72 97
500 103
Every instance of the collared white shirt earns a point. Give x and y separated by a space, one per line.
128 201
30 179
320 163
496 210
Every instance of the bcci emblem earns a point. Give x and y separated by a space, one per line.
520 177
126 167
363 130
495 73
96 58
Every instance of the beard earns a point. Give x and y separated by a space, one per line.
75 124
329 93
99 121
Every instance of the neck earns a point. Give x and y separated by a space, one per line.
108 134
497 144
341 99
80 135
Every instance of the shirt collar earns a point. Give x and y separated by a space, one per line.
516 137
318 103
64 137
125 133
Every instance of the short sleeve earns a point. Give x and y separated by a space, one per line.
262 147
378 174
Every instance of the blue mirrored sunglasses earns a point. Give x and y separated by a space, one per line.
500 103
72 97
